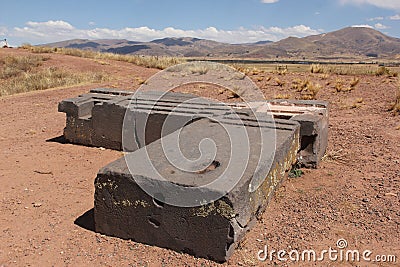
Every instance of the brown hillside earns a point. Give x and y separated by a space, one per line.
349 43
358 40
352 42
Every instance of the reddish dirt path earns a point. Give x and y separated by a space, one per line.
46 186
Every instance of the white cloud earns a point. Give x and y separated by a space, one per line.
395 17
52 31
57 28
363 26
388 4
375 18
377 26
269 1
380 26
51 24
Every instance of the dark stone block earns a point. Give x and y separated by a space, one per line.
314 138
313 116
124 209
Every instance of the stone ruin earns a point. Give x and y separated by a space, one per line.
124 209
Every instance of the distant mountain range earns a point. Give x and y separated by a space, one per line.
347 43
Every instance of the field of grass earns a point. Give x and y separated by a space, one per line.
340 69
19 74
144 61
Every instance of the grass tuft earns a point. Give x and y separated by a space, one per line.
357 103
282 96
307 89
354 82
279 82
317 68
382 71
310 92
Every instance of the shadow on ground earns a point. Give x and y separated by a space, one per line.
86 220
59 139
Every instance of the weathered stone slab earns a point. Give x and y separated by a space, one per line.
123 209
96 119
313 117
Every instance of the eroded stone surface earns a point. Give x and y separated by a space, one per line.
96 119
124 209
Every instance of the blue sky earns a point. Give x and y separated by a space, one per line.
233 21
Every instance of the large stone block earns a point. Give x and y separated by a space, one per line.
124 209
313 117
96 119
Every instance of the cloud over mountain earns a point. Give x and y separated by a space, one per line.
52 31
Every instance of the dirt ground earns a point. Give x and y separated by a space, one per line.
47 185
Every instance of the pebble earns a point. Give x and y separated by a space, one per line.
365 200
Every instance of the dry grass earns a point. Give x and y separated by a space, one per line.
310 92
254 71
140 80
351 69
282 72
335 156
307 89
19 74
354 82
241 68
198 69
382 71
144 61
279 82
299 85
323 70
12 66
245 69
317 68
283 96
340 85
357 103
45 79
324 76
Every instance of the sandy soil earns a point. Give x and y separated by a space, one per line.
46 186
